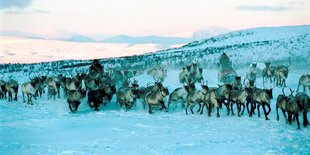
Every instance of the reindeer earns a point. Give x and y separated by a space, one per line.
196 97
74 98
72 83
29 88
238 97
92 82
110 90
281 103
303 100
128 95
53 86
281 73
2 88
196 73
184 75
156 98
158 74
304 80
95 98
293 109
216 97
143 91
191 73
261 97
268 72
100 92
41 80
12 89
251 74
58 84
180 94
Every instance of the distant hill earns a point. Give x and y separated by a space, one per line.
80 38
147 40
209 32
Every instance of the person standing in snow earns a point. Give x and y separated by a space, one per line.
224 62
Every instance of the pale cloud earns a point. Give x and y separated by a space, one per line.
262 8
15 4
19 11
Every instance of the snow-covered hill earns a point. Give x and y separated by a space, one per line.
245 46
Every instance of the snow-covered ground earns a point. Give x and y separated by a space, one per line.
47 127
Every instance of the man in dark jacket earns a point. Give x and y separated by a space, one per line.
96 67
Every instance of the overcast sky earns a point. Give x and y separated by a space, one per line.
56 18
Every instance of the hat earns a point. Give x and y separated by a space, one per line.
95 61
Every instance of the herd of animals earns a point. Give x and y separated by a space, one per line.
101 87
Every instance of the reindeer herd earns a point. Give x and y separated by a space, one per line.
99 88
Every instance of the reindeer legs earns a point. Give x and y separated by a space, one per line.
203 105
305 119
258 110
232 109
266 113
242 108
297 120
163 106
199 108
218 112
227 107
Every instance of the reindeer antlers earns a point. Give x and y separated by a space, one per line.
283 91
292 91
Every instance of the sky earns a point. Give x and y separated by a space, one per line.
61 18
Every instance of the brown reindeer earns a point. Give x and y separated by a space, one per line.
215 97
2 88
303 99
304 80
261 97
238 97
251 74
29 88
127 96
281 103
74 98
293 109
12 89
53 85
179 94
195 97
142 91
268 72
158 74
156 98
281 73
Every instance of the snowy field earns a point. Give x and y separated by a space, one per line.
47 127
